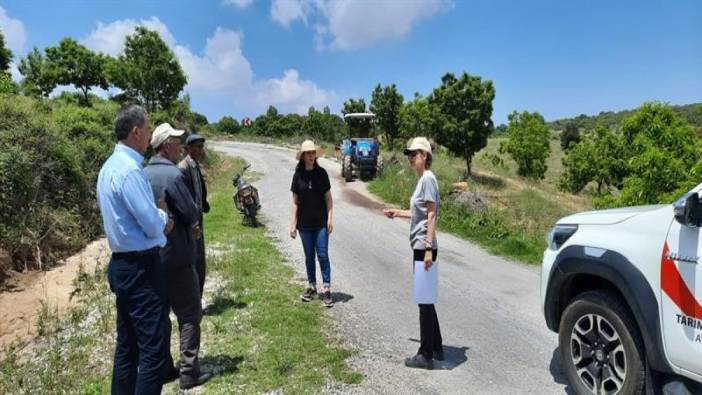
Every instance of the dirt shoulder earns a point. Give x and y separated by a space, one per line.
24 293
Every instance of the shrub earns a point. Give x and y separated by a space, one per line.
50 155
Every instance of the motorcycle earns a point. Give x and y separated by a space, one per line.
246 197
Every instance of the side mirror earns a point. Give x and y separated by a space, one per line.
687 210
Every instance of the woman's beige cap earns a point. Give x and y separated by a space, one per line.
307 146
419 143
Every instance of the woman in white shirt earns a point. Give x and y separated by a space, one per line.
423 214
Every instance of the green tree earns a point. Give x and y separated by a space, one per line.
386 104
417 118
199 120
358 127
527 143
500 130
148 70
287 125
228 125
664 159
656 156
39 76
314 125
464 114
74 64
5 56
601 157
7 85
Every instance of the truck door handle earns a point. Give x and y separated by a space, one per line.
680 258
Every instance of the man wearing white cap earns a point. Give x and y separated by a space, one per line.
178 255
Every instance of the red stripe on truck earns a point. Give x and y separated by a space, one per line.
675 287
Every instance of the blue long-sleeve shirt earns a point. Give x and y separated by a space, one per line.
131 220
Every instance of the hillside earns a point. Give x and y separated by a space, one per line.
690 112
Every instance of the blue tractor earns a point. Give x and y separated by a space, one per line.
360 157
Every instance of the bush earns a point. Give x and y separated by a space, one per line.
228 125
50 155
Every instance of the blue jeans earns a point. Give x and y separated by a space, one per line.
142 351
316 241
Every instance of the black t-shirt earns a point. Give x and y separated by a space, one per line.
310 186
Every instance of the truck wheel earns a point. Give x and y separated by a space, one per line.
349 170
600 346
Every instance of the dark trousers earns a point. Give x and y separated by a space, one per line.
429 331
200 265
143 328
184 298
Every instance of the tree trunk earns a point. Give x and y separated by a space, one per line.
85 97
469 162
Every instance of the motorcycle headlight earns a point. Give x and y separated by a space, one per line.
559 235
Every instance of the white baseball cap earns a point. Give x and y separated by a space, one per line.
419 143
163 132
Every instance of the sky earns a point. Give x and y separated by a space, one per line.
559 58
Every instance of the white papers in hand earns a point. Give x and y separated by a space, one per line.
425 283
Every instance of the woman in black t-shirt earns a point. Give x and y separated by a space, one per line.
311 215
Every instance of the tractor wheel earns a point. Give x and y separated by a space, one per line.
348 175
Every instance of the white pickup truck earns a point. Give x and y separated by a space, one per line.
623 289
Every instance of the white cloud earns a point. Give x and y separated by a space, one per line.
15 73
292 94
355 25
347 25
222 67
109 38
286 11
222 72
238 3
13 30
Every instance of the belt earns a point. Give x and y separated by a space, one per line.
135 254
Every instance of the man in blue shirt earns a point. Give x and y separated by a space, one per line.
135 229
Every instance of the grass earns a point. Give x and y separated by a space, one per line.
271 340
519 212
258 339
73 353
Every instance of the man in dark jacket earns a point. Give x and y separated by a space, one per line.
190 166
178 255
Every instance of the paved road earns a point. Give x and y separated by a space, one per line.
495 336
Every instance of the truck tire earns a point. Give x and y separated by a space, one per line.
348 176
600 346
